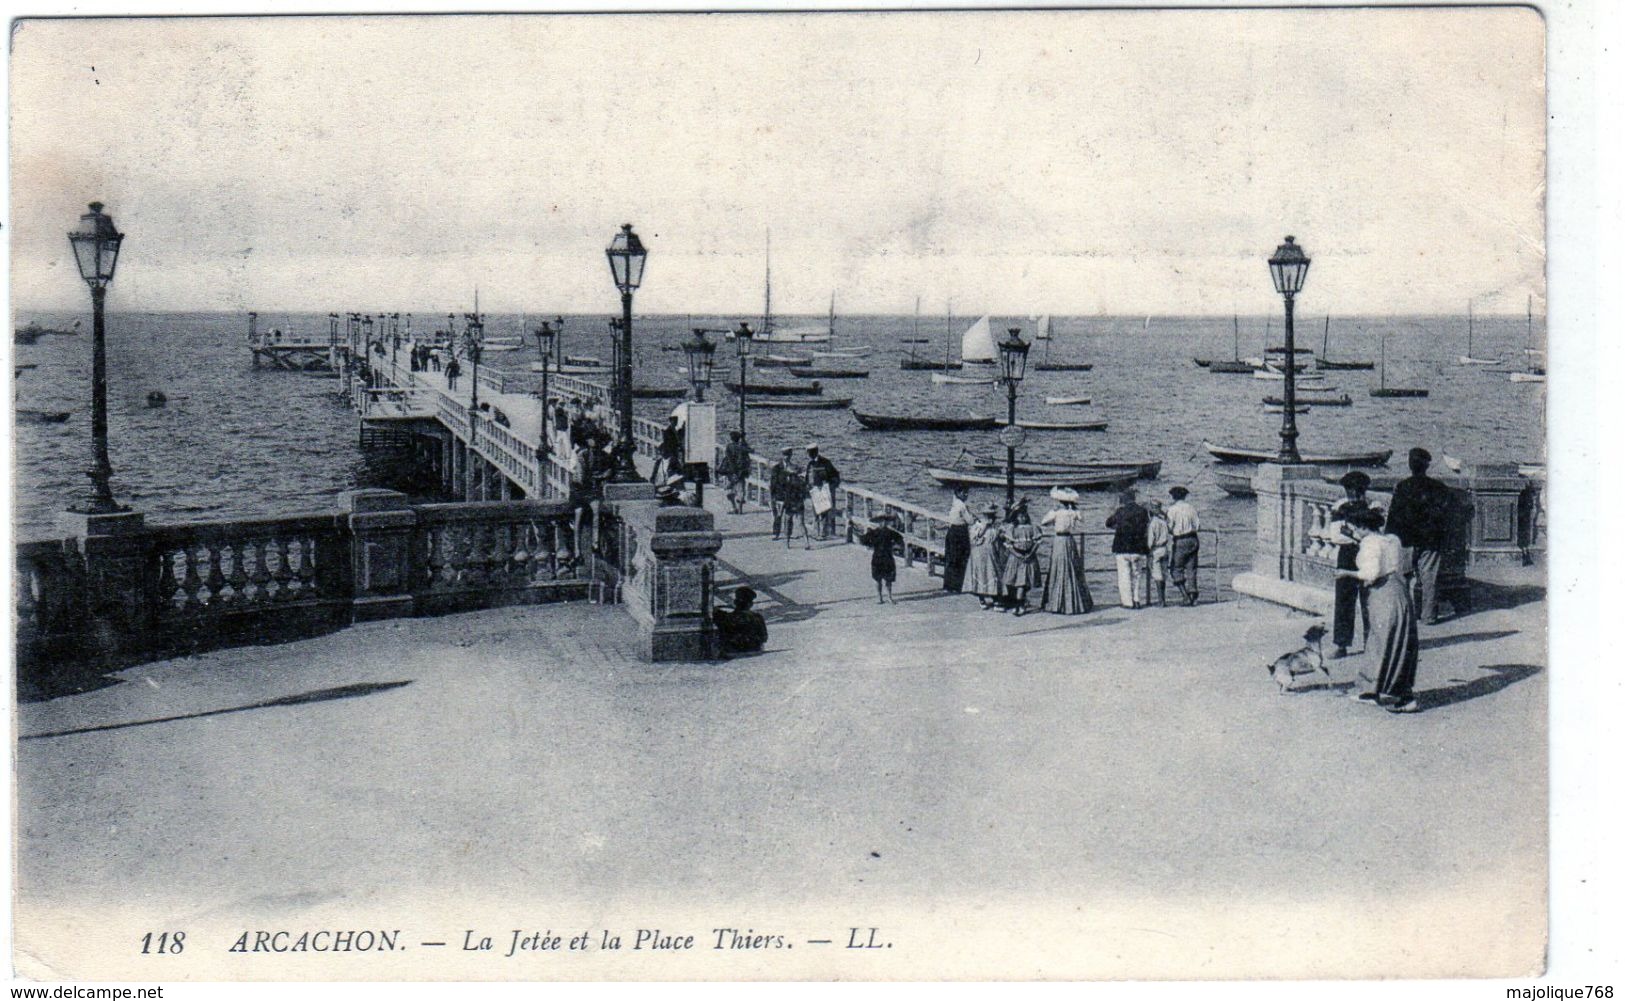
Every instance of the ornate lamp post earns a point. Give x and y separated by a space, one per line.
95 247
366 348
473 342
742 340
332 330
626 260
1013 362
544 345
1289 267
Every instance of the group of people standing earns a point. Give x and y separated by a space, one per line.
793 489
424 358
994 554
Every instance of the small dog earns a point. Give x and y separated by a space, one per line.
1307 659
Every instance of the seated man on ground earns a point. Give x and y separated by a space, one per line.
739 629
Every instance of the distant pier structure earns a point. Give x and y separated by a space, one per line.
294 352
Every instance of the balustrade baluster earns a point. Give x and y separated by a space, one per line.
284 572
217 579
261 574
238 577
191 583
307 565
167 584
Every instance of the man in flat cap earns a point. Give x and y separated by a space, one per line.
1185 551
1347 590
1420 516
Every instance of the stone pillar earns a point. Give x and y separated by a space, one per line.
120 603
382 525
1279 530
671 557
1497 535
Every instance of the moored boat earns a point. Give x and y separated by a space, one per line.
1311 400
1104 478
1148 469
903 422
961 380
1054 425
1229 367
1237 481
779 403
829 373
780 361
1239 453
1067 401
776 389
922 365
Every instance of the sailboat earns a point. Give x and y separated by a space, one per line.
976 345
1468 358
1533 372
846 353
1382 390
947 363
1045 365
1235 365
1323 361
768 332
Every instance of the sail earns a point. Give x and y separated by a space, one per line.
977 342
1041 325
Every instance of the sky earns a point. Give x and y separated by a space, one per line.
1024 162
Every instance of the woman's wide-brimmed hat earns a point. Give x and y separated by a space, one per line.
1066 495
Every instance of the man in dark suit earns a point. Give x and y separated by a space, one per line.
1420 516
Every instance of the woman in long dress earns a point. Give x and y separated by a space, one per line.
1021 573
956 544
1379 565
1065 591
982 569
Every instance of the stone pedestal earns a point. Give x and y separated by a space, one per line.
669 591
381 528
1502 515
119 603
1271 577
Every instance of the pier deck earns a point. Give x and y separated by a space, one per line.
1132 777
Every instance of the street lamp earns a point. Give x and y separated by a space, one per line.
366 349
1013 361
1289 267
701 352
473 342
95 246
544 345
742 340
626 260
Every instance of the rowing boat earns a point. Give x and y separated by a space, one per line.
1234 453
1063 366
1148 470
1106 478
822 403
761 389
961 380
921 365
829 373
1055 425
1311 400
897 422
782 361
1229 367
852 353
1067 401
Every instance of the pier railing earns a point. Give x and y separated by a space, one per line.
202 584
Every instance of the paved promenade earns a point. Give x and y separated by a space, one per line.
1117 794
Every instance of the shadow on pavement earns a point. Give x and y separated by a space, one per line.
1444 641
1500 676
304 698
1484 596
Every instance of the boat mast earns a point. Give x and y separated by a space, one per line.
1383 374
1470 329
916 339
832 317
1325 336
948 339
767 293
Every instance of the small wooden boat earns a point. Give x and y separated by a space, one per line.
498 349
1276 375
1237 453
830 373
899 422
25 416
961 380
1281 409
1202 362
1311 400
1148 470
1096 479
822 403
156 398
1063 366
915 340
1322 361
776 389
1386 392
1055 425
1067 401
922 365
659 392
1527 376
848 353
1229 367
781 361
